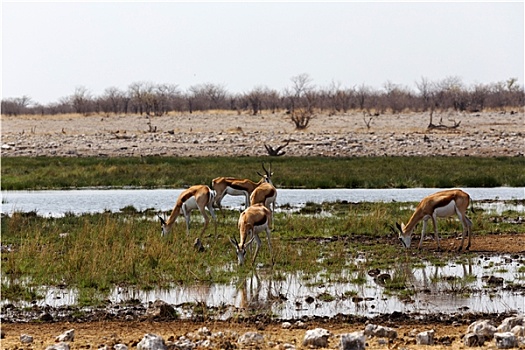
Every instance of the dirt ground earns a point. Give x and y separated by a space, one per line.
230 134
94 334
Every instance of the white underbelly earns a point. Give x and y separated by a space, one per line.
235 192
447 210
190 204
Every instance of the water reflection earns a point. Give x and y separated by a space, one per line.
452 288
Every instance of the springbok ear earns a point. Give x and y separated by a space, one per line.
399 227
162 221
234 243
261 175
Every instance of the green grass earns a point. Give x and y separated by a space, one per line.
26 173
95 252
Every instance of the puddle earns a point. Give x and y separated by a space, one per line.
450 289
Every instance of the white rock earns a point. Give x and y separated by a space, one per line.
482 327
59 346
425 338
511 322
251 338
518 331
204 331
317 337
473 339
151 342
286 325
505 340
380 331
353 341
66 336
120 347
26 339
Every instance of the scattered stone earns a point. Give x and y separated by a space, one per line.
425 338
505 340
317 338
151 342
66 336
510 322
26 339
204 331
353 341
473 339
251 338
120 347
59 346
518 331
380 331
183 344
286 325
482 327
300 325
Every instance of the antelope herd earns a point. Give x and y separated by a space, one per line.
260 198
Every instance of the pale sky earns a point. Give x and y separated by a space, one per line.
51 48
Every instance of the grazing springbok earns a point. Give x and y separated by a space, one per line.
440 204
195 197
239 187
254 219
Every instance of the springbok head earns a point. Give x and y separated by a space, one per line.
404 236
267 173
163 226
240 250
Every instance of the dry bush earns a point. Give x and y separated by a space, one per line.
301 118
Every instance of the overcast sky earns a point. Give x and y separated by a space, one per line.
49 49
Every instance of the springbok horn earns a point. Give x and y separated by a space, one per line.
266 171
399 227
234 242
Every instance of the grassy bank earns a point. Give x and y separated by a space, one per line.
95 252
24 173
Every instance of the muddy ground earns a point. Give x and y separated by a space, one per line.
231 134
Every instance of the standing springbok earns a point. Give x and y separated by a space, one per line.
254 219
440 204
195 197
264 194
239 187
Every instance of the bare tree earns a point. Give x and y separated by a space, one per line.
81 100
16 106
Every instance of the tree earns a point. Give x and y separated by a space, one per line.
81 100
16 106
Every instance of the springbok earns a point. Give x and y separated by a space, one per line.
195 197
440 204
254 219
239 187
264 194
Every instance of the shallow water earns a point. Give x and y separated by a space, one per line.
57 203
450 289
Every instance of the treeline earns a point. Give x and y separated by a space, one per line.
158 99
